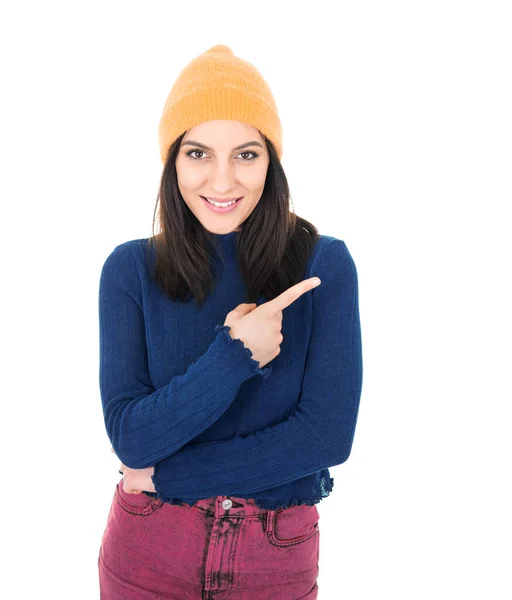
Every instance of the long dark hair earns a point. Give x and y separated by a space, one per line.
272 248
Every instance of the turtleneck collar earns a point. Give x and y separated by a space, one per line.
227 243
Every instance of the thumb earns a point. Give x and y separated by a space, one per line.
244 309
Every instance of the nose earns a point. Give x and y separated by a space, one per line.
222 178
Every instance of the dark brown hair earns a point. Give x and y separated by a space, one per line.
272 248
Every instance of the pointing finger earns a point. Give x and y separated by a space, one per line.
291 294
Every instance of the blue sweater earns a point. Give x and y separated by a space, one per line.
178 393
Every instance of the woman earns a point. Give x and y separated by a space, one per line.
226 411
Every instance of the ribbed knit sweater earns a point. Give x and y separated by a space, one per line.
180 394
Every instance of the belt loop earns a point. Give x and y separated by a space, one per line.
270 521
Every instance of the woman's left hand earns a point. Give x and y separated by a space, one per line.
137 480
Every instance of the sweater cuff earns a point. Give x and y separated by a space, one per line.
239 345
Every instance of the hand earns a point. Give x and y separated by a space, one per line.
135 481
259 327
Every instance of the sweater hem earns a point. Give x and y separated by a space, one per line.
263 503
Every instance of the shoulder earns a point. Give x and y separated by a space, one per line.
333 264
123 261
330 252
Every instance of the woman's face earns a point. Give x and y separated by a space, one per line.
213 164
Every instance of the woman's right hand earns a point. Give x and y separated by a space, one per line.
259 327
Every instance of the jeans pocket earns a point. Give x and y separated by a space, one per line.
293 525
136 504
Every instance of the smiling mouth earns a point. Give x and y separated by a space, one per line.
222 204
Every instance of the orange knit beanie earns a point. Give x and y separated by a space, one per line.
219 85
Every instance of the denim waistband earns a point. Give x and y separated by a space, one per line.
218 506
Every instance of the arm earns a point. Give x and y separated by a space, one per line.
145 425
318 435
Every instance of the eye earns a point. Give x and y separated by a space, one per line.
191 153
250 152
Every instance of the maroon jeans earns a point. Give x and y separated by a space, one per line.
223 548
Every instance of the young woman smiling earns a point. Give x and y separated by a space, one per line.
230 376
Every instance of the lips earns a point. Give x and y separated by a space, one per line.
222 200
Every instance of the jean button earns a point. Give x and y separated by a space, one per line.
227 504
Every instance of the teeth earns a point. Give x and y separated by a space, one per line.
220 204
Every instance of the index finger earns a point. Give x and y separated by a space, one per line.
291 294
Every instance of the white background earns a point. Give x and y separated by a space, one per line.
397 139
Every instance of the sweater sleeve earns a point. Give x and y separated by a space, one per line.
145 424
319 434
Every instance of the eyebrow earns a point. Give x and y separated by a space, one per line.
198 144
